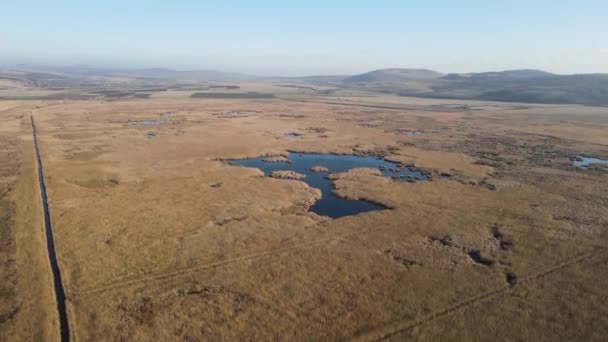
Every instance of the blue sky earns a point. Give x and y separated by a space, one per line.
309 37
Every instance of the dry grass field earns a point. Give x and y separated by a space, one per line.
159 238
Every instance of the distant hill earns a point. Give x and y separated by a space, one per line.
501 75
525 85
193 75
150 73
394 75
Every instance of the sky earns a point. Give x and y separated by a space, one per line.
293 38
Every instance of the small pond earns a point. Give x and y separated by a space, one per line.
584 162
330 204
411 132
153 122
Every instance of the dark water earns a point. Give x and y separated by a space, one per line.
331 205
64 327
583 162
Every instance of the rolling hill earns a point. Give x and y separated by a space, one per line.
394 75
523 85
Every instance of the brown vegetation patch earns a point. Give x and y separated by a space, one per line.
319 168
286 174
141 311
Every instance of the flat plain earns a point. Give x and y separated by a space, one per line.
159 237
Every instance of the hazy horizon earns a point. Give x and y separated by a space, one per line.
111 68
272 38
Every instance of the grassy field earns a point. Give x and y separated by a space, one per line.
216 95
27 307
159 239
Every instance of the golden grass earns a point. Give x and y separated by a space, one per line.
159 239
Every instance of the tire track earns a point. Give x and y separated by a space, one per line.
395 328
64 328
152 277
157 276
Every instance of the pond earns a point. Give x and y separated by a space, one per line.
153 122
330 204
584 162
411 132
